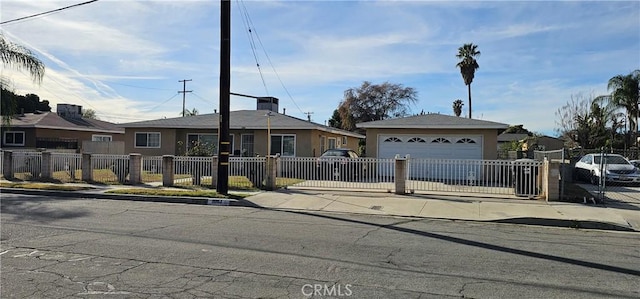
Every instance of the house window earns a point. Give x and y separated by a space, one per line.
332 142
14 138
417 139
323 146
344 141
148 139
246 145
285 145
101 138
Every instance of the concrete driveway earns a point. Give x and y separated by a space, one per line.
627 194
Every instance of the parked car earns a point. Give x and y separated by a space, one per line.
616 169
635 163
340 164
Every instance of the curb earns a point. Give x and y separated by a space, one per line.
576 224
132 197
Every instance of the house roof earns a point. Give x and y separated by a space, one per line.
432 121
239 120
51 120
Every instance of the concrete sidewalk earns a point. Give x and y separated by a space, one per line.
464 207
613 215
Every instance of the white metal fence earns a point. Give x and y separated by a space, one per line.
351 174
520 177
27 165
464 176
190 170
110 168
66 167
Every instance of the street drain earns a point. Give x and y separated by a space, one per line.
376 208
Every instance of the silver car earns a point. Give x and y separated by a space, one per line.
616 169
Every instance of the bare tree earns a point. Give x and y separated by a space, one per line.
371 102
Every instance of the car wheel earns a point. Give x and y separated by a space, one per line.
594 179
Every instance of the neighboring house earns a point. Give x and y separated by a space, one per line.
433 136
65 129
540 143
290 136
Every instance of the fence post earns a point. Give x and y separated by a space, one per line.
46 166
167 170
135 169
271 172
87 169
400 176
7 165
214 173
551 182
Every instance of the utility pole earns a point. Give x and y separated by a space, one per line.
184 92
222 186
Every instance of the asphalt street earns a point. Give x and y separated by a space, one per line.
89 248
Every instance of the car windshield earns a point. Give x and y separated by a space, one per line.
336 154
611 160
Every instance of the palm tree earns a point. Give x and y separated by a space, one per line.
21 58
626 95
457 107
468 65
188 112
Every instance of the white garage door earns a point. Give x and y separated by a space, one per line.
430 146
452 147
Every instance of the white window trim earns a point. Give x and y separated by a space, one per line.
253 144
4 137
335 143
295 141
101 136
159 139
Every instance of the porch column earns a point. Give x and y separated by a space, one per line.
271 172
87 170
400 176
167 170
135 169
7 165
46 172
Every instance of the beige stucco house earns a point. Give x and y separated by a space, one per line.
249 130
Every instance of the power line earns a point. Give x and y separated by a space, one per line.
250 23
245 20
47 12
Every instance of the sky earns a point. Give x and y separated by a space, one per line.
124 59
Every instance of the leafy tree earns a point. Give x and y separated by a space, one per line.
468 65
371 102
335 121
15 103
89 113
457 107
517 129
